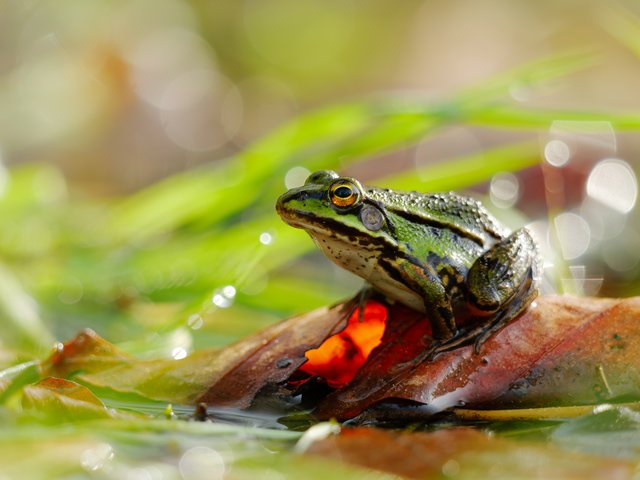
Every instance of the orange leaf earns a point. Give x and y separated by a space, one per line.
340 357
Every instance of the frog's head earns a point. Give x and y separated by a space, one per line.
344 221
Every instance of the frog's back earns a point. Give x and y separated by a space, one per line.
464 215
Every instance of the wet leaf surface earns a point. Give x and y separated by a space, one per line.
464 453
86 352
271 357
58 400
228 377
563 351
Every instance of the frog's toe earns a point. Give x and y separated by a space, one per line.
485 335
498 275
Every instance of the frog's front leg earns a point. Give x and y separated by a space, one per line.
424 281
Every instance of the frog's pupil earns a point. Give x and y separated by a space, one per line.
343 192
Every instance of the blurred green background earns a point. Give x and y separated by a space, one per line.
143 144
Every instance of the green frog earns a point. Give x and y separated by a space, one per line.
442 254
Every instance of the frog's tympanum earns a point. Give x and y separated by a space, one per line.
442 254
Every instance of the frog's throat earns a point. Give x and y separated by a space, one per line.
367 263
361 262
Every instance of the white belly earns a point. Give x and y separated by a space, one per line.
364 263
395 290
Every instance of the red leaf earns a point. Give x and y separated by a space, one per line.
340 357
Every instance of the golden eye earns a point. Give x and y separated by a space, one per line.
343 194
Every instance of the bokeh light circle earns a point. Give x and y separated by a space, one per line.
613 183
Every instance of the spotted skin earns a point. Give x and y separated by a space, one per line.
442 254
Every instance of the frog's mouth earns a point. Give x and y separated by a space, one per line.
328 227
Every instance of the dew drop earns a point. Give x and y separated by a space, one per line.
178 353
266 238
195 321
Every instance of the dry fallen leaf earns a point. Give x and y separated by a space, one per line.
564 350
225 377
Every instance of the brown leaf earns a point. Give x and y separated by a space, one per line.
237 372
464 453
56 399
270 357
564 350
86 352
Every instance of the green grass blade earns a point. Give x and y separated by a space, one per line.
468 170
23 328
524 118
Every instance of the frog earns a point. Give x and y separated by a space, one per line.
441 254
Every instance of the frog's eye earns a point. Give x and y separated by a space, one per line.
343 194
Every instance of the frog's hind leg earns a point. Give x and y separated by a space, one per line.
502 283
519 304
